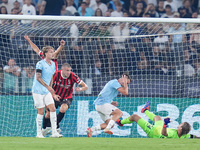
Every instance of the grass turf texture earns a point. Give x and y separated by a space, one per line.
83 143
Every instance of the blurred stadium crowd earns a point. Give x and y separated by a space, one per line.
113 8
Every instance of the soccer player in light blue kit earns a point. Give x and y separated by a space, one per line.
42 91
105 105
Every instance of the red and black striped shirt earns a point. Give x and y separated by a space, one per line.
64 86
54 60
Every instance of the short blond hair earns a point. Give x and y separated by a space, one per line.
46 49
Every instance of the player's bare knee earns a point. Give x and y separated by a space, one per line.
133 117
52 109
41 111
63 108
107 121
120 114
157 118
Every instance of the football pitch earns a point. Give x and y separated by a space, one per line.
84 143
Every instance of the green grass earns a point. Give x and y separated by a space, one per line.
28 143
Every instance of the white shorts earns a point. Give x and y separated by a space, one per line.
105 110
41 100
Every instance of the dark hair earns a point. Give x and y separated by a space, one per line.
147 14
14 9
185 128
16 2
98 10
126 12
133 8
182 7
5 8
45 50
84 3
168 6
76 14
128 76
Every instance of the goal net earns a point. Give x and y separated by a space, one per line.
161 55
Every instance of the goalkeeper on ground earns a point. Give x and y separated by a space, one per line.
159 129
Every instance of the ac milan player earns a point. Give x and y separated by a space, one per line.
63 82
40 53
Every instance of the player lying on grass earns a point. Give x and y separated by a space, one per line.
105 106
159 129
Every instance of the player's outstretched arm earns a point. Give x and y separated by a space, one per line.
83 87
164 129
33 46
62 44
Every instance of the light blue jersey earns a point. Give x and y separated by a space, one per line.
47 73
108 93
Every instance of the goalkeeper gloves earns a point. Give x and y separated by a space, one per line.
166 121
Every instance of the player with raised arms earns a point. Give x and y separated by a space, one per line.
43 92
159 129
106 107
63 82
40 53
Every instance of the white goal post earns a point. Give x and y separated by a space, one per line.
162 55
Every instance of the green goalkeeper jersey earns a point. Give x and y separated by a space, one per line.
172 133
154 131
